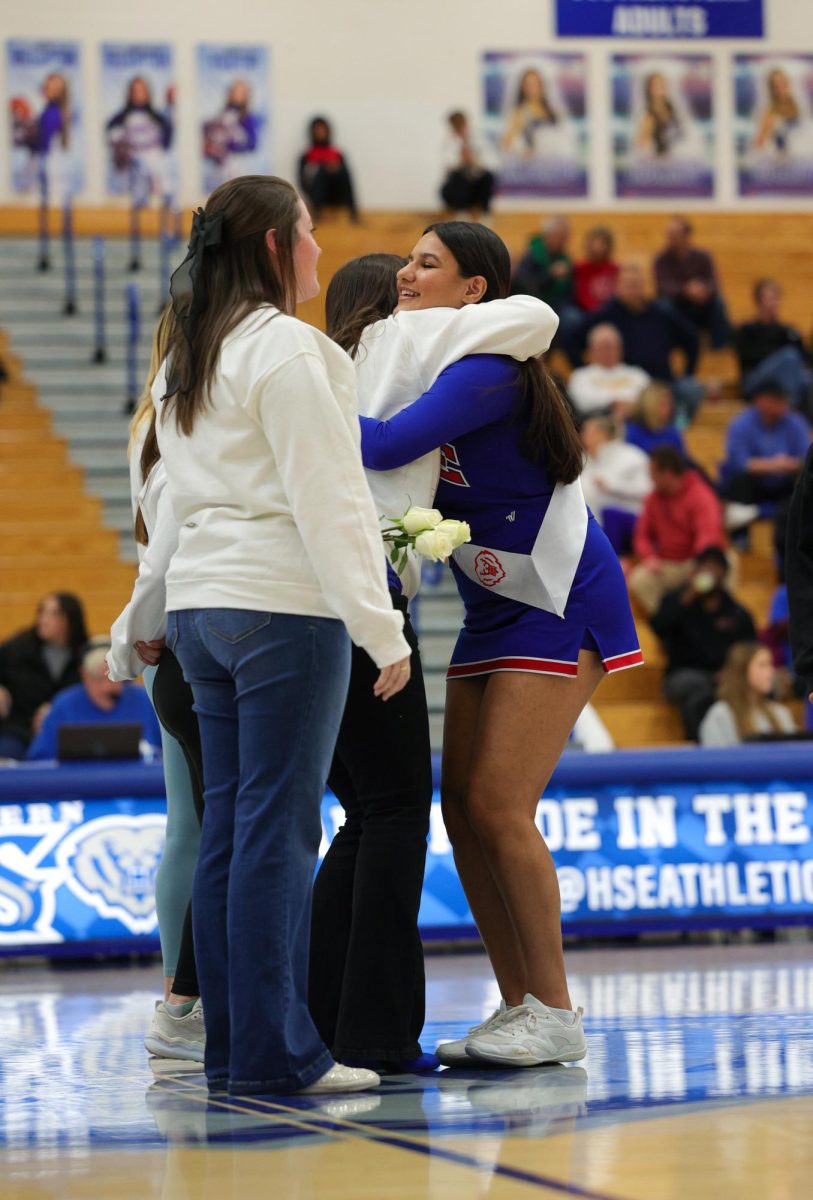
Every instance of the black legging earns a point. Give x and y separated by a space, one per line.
173 700
367 987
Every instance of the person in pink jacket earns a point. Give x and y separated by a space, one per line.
681 517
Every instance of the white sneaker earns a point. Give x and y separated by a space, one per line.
453 1054
739 516
342 1079
177 1037
530 1035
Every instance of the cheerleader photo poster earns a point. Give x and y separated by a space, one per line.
773 124
44 97
138 108
663 125
535 122
233 113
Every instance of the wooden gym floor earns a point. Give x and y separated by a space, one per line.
698 1083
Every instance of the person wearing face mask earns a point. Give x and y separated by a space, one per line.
744 708
698 623
547 615
279 559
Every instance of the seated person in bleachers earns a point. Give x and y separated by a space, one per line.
594 275
770 351
744 706
615 477
681 518
324 177
469 185
650 331
607 383
686 278
650 422
37 663
546 271
95 701
698 623
765 448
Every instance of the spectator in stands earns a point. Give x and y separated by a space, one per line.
469 185
650 331
594 276
324 177
744 708
770 351
607 383
546 271
681 518
686 279
37 663
765 448
650 422
698 624
615 480
97 700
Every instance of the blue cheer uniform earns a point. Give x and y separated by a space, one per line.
539 580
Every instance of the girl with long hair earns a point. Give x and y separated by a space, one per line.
547 615
781 113
660 125
367 992
279 558
531 112
744 707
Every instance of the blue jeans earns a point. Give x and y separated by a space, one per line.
269 694
785 367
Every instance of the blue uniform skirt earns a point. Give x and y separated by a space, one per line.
505 635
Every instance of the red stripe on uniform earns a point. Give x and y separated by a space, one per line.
620 662
541 666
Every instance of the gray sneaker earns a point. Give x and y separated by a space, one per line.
342 1079
530 1036
453 1054
177 1037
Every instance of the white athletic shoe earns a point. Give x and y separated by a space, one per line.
453 1054
177 1037
529 1036
342 1079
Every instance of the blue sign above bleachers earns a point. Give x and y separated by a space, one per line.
667 19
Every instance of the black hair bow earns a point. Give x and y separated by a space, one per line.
188 291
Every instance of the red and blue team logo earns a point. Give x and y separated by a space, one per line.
450 469
489 569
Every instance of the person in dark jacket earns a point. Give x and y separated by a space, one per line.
36 664
799 574
324 176
698 624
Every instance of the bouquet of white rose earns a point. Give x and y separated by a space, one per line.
426 531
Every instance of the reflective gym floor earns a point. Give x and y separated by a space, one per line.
698 1083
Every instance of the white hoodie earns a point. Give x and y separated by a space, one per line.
401 357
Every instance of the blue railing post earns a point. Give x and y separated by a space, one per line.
135 226
44 261
166 245
69 307
100 351
133 329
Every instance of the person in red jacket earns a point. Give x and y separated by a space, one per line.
681 517
594 276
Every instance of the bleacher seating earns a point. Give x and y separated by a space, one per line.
63 480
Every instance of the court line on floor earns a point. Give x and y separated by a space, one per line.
314 1122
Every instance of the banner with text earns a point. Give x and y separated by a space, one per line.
138 108
773 124
44 94
660 18
232 112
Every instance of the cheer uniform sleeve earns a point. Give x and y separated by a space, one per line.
474 392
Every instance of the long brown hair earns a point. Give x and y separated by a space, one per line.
236 277
549 435
361 292
738 694
145 412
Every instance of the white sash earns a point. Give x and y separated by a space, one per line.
544 577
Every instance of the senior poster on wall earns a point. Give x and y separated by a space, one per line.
233 112
44 94
663 125
138 108
535 122
773 124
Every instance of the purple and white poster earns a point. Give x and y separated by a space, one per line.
233 112
663 125
773 124
138 107
44 95
535 122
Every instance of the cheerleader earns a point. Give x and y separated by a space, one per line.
547 615
139 138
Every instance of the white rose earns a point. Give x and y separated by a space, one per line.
458 531
416 519
434 543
